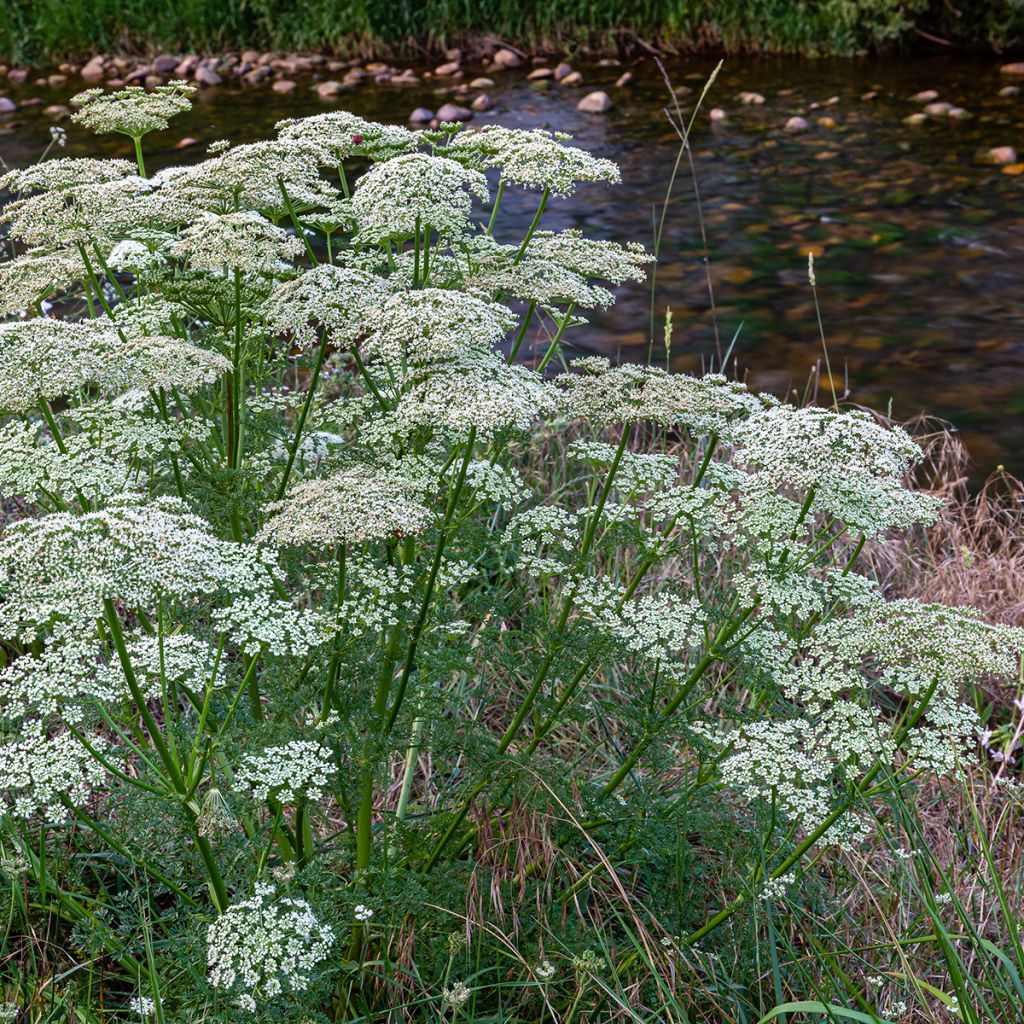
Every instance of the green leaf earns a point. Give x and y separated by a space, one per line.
814 1006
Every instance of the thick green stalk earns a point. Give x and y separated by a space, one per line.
435 568
217 888
137 139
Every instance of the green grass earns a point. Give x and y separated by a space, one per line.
40 30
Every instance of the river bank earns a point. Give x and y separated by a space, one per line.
37 32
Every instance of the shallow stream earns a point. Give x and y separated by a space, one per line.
919 248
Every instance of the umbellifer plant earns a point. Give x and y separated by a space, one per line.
306 577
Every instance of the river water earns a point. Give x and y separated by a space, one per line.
919 248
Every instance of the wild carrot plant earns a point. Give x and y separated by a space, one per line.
313 593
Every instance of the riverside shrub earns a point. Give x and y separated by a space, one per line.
284 516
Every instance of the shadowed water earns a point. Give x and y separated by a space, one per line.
919 249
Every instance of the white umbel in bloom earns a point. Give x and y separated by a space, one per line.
132 110
263 946
432 325
43 358
289 772
414 193
356 504
244 242
536 158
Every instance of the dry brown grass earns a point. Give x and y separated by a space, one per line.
974 555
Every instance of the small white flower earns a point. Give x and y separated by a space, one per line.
362 912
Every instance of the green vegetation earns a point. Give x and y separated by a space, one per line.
354 671
39 30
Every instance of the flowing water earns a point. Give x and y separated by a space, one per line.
919 249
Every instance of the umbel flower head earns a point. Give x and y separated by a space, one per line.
60 567
356 504
337 299
265 945
339 135
43 358
243 242
416 192
64 173
536 158
290 772
132 110
431 325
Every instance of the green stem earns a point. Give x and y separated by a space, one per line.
726 912
497 205
553 347
303 414
533 224
137 139
517 344
435 568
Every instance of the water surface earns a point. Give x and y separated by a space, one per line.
919 248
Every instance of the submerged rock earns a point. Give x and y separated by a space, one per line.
482 102
421 115
624 79
717 114
751 99
1017 68
562 70
7 106
328 90
283 86
940 109
538 73
796 124
574 78
595 103
925 96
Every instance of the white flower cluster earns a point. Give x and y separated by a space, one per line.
415 193
60 568
43 358
39 770
434 325
301 768
855 466
636 471
355 504
602 394
536 158
337 299
245 242
265 945
132 110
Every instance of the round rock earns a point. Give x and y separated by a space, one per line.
453 112
595 103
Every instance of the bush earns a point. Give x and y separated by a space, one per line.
332 634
